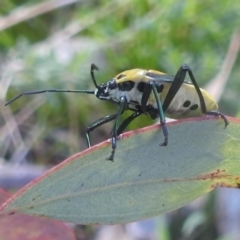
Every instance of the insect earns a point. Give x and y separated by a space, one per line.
147 92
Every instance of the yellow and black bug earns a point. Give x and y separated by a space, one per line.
147 92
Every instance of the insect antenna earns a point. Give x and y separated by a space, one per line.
48 90
93 68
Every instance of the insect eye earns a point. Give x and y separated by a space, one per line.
121 76
112 84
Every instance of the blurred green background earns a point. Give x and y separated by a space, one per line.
51 46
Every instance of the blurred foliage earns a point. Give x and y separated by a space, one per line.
54 50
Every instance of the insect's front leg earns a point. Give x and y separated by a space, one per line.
123 105
127 121
96 124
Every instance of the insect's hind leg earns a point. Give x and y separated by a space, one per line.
218 114
177 83
188 70
195 84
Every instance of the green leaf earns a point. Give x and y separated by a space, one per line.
144 181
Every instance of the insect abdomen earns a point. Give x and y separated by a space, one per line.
186 103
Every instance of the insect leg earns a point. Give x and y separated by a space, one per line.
201 99
127 121
122 107
96 124
177 83
146 94
218 114
202 102
161 113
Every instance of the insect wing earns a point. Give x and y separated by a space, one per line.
160 77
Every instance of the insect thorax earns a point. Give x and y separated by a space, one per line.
132 86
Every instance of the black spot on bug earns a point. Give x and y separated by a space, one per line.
126 86
121 76
159 88
141 86
193 107
187 104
